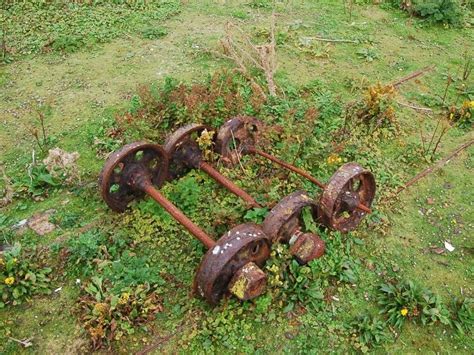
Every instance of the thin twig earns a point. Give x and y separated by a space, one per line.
437 166
448 83
443 132
434 133
424 110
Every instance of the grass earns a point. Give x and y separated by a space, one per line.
307 308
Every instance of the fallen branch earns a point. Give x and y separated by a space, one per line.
321 39
424 110
412 75
437 166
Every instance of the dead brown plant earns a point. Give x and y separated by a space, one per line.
247 56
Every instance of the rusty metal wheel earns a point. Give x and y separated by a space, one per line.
349 186
284 220
124 167
183 149
236 136
243 244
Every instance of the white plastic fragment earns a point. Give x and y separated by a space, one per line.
19 224
216 249
449 247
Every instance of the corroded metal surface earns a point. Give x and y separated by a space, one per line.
285 218
117 180
248 282
183 150
185 154
350 187
307 247
176 213
242 244
236 136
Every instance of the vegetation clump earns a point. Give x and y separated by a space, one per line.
448 12
108 316
407 300
375 111
21 278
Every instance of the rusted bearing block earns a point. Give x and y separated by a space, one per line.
248 282
307 247
243 244
349 187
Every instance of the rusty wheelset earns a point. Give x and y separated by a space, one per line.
231 263
345 199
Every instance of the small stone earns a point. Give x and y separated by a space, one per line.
40 223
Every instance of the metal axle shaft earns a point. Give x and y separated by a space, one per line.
298 171
229 185
176 213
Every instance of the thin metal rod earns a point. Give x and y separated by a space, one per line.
287 166
299 172
178 215
229 185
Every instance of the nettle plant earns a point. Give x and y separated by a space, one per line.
20 278
406 300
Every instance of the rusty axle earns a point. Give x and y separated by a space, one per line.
176 213
226 183
253 150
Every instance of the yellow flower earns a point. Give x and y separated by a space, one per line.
124 298
404 312
9 280
334 159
